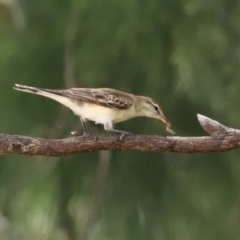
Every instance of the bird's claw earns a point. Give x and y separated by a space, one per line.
85 134
123 135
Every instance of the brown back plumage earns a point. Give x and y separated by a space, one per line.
102 96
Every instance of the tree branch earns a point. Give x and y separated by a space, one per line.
222 139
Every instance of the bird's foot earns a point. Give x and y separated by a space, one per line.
85 134
123 135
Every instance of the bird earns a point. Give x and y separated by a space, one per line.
104 106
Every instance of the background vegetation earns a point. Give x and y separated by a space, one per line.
185 54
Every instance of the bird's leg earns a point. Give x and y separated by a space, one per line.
108 127
85 131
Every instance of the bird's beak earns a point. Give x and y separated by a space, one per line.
162 118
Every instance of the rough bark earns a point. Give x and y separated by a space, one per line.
221 139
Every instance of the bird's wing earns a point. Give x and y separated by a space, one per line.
106 97
102 96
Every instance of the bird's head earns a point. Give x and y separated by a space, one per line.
151 109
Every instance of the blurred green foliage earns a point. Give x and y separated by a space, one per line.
185 54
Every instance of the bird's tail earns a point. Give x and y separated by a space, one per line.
24 88
50 93
57 95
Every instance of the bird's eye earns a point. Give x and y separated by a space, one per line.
156 108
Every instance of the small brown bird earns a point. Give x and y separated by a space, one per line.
102 105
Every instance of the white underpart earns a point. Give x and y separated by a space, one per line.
93 112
